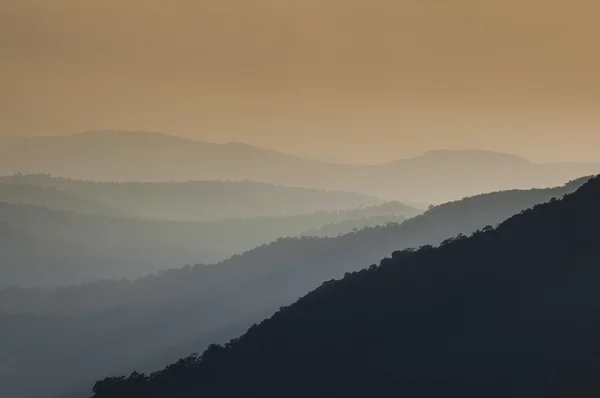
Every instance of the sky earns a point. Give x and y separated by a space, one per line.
341 80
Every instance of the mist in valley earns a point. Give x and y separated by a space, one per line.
256 198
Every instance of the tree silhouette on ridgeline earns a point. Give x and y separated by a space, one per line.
507 311
158 318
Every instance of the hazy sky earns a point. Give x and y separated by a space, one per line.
349 80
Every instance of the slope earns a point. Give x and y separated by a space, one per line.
190 201
309 259
180 311
66 247
512 311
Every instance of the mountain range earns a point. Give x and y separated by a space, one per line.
47 247
511 311
434 177
112 327
176 201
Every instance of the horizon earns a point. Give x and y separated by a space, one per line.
357 198
337 80
323 159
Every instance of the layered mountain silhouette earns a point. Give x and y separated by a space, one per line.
113 327
511 311
50 196
434 177
141 156
183 201
58 248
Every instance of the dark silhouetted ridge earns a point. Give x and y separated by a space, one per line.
159 318
507 312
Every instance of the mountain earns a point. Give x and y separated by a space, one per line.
51 197
347 226
30 258
57 248
434 177
329 256
460 173
511 311
183 201
63 247
143 156
159 318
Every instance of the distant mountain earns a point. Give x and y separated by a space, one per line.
460 173
62 248
57 248
49 196
32 258
347 226
143 156
433 177
183 201
507 312
157 319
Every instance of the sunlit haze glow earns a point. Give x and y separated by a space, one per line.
337 80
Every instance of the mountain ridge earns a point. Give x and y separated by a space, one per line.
119 246
433 177
183 201
213 303
507 311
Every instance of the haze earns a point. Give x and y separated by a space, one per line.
356 198
347 81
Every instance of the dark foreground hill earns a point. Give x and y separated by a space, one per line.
507 312
113 327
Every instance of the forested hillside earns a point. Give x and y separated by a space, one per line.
157 319
512 311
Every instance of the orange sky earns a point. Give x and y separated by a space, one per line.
346 80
